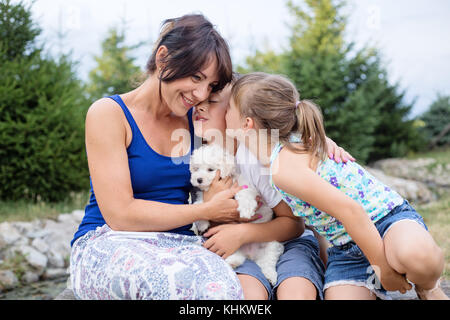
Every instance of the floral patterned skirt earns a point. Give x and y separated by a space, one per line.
107 264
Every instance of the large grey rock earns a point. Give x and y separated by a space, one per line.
40 245
8 234
426 170
55 259
35 258
411 190
8 280
23 227
30 276
54 273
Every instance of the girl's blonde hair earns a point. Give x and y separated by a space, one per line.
273 102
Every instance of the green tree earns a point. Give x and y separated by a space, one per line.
437 122
42 154
264 61
362 111
115 71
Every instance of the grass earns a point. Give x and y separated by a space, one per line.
441 155
437 213
27 211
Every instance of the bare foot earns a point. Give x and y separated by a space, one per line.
435 293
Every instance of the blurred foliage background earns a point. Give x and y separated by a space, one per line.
43 103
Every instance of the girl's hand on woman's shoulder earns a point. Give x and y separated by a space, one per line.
337 153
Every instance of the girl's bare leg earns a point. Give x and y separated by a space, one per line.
349 292
253 288
411 250
296 288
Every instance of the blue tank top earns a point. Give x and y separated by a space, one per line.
153 177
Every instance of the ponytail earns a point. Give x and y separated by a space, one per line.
311 129
273 102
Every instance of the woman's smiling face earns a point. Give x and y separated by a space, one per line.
183 94
209 116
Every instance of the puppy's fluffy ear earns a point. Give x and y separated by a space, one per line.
227 166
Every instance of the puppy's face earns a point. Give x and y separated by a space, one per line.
205 162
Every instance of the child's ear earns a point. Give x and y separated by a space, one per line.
249 123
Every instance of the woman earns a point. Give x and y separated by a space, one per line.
135 240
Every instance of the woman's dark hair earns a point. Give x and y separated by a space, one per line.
191 41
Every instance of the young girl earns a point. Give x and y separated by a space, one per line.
372 229
300 270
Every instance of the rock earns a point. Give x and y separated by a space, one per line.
425 170
50 224
65 217
40 245
411 190
8 280
54 273
30 277
33 257
78 215
44 244
23 227
55 259
8 234
38 234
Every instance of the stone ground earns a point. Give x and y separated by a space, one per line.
67 294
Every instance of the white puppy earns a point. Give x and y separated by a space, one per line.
204 163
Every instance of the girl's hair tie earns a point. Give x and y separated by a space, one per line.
297 104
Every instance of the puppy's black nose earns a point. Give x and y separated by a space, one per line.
199 180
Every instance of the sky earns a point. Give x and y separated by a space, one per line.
413 36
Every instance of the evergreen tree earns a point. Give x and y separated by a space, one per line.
42 154
115 71
318 64
362 112
437 122
264 61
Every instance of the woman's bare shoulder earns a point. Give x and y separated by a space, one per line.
105 117
104 107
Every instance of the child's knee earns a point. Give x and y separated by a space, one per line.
296 288
424 258
253 288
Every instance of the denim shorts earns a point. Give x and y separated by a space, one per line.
347 265
300 259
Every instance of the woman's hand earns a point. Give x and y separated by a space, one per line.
225 239
217 185
337 153
222 207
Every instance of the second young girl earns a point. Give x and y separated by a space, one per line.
379 241
300 270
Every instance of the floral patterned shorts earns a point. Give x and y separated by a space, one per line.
107 264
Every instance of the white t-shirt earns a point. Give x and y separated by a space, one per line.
259 177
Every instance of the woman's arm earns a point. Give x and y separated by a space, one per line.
337 153
225 239
108 167
323 196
